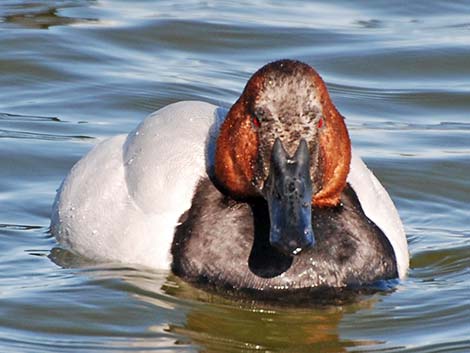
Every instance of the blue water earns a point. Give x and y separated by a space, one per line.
75 72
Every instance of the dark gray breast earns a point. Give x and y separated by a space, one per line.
224 244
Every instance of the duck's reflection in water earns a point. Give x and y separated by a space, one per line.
191 318
222 325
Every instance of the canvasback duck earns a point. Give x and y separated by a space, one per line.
267 197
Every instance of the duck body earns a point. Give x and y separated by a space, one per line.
122 201
350 251
158 198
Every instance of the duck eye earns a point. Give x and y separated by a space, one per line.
256 121
258 117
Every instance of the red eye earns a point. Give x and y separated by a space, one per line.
320 123
256 122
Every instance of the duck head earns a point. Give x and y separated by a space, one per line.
284 140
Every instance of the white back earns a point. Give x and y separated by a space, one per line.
121 202
379 208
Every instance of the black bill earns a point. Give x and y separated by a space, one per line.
288 191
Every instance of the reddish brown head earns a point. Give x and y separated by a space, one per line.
285 100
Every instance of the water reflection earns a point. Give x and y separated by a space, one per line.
219 324
40 16
230 328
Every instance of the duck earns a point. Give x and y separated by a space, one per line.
266 197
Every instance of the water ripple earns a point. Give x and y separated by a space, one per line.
41 16
37 136
398 73
18 117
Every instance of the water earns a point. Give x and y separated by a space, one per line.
75 72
